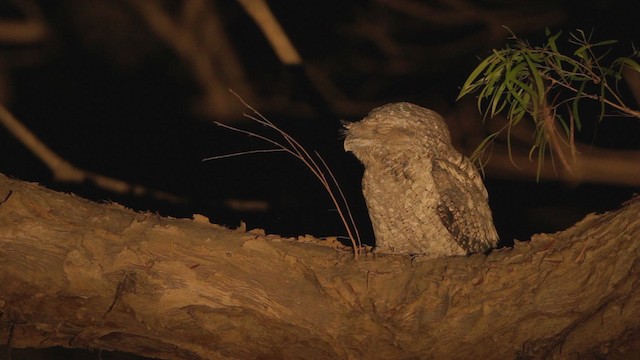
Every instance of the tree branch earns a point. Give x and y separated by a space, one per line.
80 274
67 172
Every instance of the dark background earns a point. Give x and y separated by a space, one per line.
109 96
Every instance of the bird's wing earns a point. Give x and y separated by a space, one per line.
463 204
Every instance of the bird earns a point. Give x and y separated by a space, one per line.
423 196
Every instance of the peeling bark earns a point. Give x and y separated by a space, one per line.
79 274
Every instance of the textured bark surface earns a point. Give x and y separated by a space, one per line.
80 274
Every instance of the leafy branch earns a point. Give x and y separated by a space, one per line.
547 86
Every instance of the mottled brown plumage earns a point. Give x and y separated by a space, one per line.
423 196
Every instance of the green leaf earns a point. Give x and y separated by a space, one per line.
625 61
496 104
603 105
489 62
605 43
552 40
565 126
533 71
574 105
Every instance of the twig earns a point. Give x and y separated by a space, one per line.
294 148
242 153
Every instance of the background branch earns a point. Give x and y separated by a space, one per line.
64 171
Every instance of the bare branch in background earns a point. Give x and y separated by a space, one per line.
442 20
29 30
465 13
197 36
64 171
262 15
33 28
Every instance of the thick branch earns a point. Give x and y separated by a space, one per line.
79 274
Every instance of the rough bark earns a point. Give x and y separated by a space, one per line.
79 274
